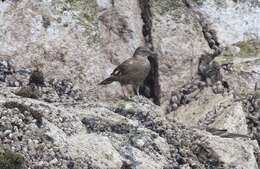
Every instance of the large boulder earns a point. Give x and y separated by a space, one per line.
233 21
81 41
240 63
179 40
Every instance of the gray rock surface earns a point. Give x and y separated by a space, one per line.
234 21
178 38
206 76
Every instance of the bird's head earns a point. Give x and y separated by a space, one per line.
37 65
144 52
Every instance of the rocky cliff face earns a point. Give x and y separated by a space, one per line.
201 101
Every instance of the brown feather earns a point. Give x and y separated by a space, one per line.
107 81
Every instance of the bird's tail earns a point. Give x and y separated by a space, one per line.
107 81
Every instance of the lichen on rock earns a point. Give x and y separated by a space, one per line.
209 116
240 52
11 160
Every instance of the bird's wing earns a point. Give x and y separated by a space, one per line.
124 67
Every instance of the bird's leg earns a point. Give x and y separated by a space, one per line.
137 90
122 87
125 94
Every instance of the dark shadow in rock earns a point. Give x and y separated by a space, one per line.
151 88
125 165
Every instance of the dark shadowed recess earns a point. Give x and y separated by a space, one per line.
151 88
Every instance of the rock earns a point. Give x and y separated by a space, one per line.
6 68
209 70
217 14
131 133
95 147
50 95
13 83
206 86
250 105
202 111
54 161
243 61
233 119
57 59
216 150
219 88
178 56
65 89
7 132
256 100
137 159
125 166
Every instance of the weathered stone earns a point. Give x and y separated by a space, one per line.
235 15
212 119
200 111
95 147
233 119
214 148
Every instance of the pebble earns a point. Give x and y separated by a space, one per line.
7 132
54 161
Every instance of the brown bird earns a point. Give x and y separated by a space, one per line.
133 71
37 78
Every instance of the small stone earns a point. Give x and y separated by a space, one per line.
54 161
36 141
7 132
215 47
211 42
71 165
40 164
1 135
174 106
208 35
59 19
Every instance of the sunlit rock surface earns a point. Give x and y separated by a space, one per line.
209 83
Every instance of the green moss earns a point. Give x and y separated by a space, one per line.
166 6
10 160
88 11
245 50
250 48
125 105
87 18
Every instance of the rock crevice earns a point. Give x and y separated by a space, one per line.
151 87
